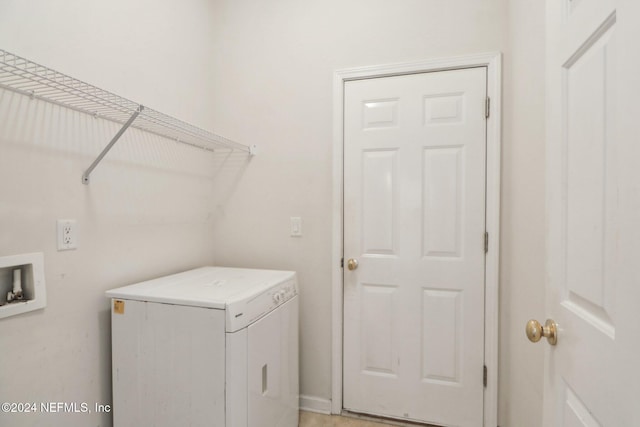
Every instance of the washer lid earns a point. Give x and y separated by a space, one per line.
213 287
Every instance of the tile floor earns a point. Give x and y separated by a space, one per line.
310 419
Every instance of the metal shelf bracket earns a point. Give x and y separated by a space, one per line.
85 175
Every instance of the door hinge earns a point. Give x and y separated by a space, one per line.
341 262
487 107
484 375
486 242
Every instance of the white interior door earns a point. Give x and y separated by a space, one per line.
414 220
593 216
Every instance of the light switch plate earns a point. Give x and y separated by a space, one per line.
296 226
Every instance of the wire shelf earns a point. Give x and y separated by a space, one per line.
37 81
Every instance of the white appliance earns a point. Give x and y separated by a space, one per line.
207 347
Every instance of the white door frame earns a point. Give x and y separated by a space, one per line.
493 63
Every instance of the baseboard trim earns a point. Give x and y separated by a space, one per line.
315 404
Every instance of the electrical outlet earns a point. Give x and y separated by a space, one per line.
67 234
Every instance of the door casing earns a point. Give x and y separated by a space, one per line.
493 63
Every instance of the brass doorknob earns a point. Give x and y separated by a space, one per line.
352 264
535 331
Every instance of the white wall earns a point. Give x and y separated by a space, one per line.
522 272
259 72
148 210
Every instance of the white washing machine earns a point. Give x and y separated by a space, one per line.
207 347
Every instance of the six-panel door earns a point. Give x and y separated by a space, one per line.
414 219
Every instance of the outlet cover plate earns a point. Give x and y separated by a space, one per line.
67 234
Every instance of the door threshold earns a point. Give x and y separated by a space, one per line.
384 420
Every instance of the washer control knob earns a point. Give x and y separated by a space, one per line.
277 298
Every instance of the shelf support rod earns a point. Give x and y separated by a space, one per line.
85 175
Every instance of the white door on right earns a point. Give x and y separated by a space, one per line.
593 181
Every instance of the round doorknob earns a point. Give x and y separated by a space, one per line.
535 331
352 264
